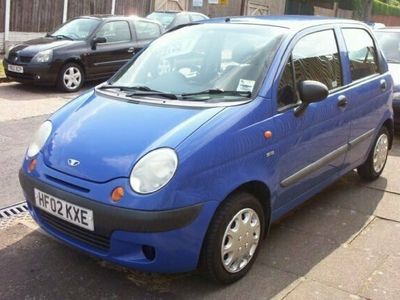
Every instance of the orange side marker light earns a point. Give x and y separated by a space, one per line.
267 134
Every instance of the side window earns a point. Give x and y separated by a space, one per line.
362 53
116 31
196 17
311 60
146 30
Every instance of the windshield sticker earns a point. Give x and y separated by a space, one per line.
245 85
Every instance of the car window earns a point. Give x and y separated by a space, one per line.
77 29
389 42
196 17
146 30
362 53
311 60
181 19
116 31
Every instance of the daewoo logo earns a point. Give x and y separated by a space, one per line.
73 162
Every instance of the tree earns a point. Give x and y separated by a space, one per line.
366 10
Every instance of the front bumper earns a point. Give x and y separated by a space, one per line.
126 236
44 74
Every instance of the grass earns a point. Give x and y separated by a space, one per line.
2 69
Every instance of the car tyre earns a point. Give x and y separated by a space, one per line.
377 157
219 266
71 78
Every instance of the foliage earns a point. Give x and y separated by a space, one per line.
386 8
2 70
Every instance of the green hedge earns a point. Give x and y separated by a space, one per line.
380 8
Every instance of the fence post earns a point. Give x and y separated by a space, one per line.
65 11
113 7
7 22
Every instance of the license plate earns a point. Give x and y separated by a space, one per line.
16 69
69 212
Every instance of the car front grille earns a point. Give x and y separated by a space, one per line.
91 238
25 59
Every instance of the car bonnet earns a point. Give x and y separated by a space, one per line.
107 136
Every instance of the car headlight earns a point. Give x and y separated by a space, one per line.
39 139
43 56
7 52
153 171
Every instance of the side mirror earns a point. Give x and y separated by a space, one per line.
98 40
310 91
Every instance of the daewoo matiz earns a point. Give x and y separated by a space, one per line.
188 154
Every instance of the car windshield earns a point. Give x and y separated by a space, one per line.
213 61
76 29
164 18
390 45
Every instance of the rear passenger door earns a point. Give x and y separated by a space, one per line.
312 146
369 91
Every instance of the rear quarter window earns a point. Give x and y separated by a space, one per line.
147 30
362 53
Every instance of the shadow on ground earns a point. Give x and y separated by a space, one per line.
36 266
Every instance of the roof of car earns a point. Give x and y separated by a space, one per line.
117 17
391 28
288 21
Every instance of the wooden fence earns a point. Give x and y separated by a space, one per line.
2 13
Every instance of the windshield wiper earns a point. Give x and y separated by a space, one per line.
217 91
61 36
140 91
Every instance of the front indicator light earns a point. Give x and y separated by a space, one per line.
32 165
117 194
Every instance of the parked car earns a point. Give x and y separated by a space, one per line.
389 40
83 49
189 153
171 18
374 25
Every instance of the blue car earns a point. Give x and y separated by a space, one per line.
185 158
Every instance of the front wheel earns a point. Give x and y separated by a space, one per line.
233 239
376 161
71 78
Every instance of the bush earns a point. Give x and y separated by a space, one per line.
383 9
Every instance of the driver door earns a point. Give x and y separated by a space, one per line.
105 59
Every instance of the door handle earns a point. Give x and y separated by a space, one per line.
383 85
131 50
342 101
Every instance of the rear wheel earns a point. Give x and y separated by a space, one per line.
376 161
233 239
71 78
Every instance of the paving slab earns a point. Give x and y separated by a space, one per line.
384 283
339 224
389 180
346 269
294 251
364 200
312 290
380 237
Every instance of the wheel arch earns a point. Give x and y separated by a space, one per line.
75 60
